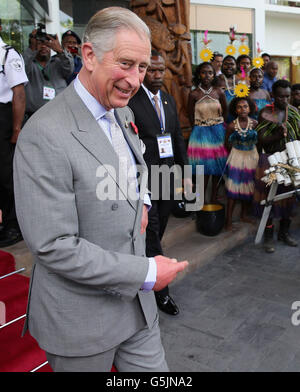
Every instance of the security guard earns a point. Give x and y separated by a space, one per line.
12 109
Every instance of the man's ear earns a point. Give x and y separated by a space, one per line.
88 55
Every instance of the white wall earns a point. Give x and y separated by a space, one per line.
258 7
282 34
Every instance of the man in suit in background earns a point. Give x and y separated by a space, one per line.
156 119
91 301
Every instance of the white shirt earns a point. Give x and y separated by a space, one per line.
161 106
14 75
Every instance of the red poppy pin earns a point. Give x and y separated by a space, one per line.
134 127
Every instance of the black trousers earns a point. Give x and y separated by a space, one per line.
7 202
157 222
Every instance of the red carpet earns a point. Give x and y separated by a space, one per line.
17 354
7 263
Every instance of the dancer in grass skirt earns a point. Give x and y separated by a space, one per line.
207 106
241 139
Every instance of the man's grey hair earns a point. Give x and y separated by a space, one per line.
105 24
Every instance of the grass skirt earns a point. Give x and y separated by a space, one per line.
240 174
206 147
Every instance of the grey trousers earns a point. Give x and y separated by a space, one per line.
143 352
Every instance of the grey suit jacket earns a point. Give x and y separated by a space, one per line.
89 254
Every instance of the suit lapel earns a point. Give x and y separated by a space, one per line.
90 135
131 139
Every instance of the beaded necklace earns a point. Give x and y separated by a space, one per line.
242 132
227 85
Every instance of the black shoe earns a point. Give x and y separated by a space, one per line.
10 237
167 305
2 233
283 234
287 239
268 240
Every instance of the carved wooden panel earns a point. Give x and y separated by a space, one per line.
168 21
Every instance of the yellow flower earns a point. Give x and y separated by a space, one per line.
244 49
230 50
258 62
206 54
241 90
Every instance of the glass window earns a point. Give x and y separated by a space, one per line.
18 21
74 14
219 43
284 67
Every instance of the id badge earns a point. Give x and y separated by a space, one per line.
165 147
48 93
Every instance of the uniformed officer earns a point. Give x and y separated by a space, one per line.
12 109
71 42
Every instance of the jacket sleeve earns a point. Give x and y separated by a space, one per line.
66 63
29 56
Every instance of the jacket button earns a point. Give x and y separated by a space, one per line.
114 207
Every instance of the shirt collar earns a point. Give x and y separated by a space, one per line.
150 94
91 103
2 43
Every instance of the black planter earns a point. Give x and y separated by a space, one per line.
211 219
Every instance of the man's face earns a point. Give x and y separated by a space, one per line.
256 79
43 50
282 97
246 64
70 44
296 97
266 60
229 67
217 63
118 76
272 70
155 74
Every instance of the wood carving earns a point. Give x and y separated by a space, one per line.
168 21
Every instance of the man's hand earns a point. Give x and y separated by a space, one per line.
32 40
144 222
167 270
54 44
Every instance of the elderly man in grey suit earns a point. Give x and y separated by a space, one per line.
91 300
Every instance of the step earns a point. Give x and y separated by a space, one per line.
199 249
177 228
